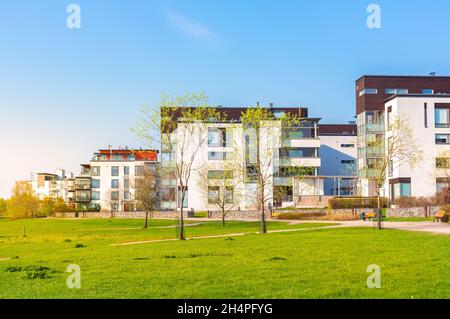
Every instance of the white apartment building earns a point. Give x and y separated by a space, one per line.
338 153
429 118
51 185
110 178
228 148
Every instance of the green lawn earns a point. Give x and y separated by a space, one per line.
315 263
408 219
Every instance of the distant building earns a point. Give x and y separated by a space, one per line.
51 185
338 159
109 179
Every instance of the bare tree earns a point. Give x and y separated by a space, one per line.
224 191
178 127
145 191
398 147
113 200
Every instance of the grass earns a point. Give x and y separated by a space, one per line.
313 263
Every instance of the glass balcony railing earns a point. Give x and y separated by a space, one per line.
282 181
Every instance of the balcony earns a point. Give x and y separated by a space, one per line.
379 127
305 142
282 181
83 186
301 161
82 199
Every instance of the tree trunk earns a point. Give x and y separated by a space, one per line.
146 220
223 217
181 235
379 214
263 218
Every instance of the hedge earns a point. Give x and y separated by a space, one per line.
356 202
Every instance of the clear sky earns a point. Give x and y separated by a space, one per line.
64 92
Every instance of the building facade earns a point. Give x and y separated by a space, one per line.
338 154
371 94
428 116
52 185
111 178
289 159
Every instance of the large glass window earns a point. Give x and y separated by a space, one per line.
95 183
126 170
220 174
229 194
216 137
441 117
442 184
368 91
114 183
168 194
442 162
298 152
139 170
95 195
213 194
185 202
114 170
400 188
442 138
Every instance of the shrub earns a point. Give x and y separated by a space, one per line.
356 202
298 216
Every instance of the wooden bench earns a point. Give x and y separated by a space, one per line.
440 215
371 215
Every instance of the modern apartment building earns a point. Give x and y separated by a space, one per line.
338 153
284 151
429 117
371 95
110 179
51 185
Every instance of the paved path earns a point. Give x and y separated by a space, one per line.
431 227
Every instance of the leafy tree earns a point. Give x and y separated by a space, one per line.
145 192
178 126
23 202
3 206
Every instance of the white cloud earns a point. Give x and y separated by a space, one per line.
190 27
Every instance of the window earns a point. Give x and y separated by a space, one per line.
126 170
95 170
220 174
216 137
139 170
126 182
425 116
400 187
168 194
95 183
368 91
297 152
442 184
442 138
427 91
126 195
229 194
347 161
347 145
114 183
213 194
442 162
389 116
185 202
278 114
117 157
95 195
131 157
441 117
114 195
218 156
114 170
396 91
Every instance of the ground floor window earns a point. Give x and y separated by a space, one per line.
185 201
400 187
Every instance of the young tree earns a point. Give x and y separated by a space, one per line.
178 127
3 206
114 200
400 148
23 202
261 123
224 191
145 192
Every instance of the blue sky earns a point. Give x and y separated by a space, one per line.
66 92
